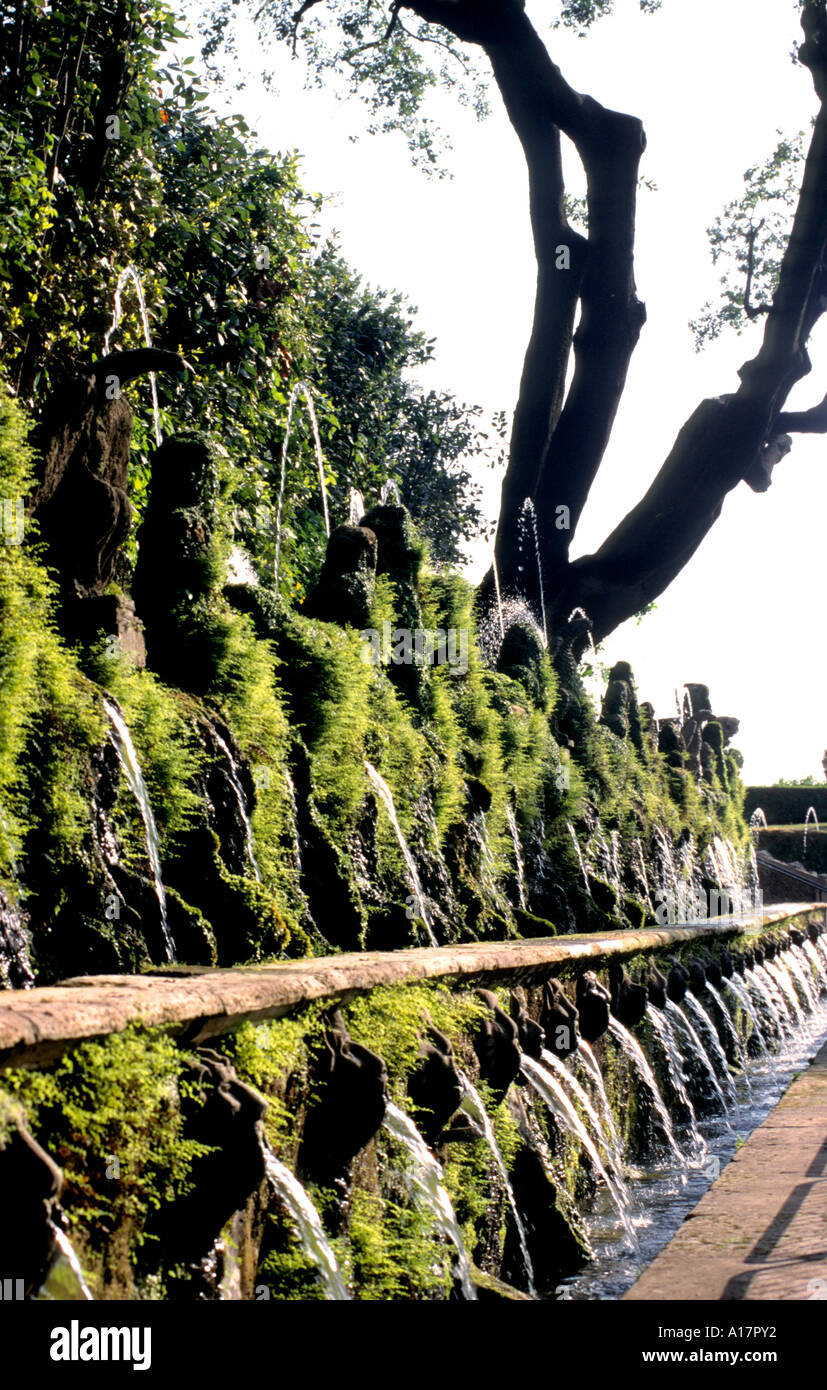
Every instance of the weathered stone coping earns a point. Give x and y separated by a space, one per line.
37 1025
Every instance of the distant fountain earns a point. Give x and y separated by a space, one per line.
389 494
528 518
300 388
308 1224
125 749
385 795
130 273
757 822
810 812
426 1178
355 507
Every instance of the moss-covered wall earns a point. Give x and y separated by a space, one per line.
249 710
125 1121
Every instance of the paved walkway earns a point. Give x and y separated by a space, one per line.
760 1232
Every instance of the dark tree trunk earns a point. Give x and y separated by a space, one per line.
560 434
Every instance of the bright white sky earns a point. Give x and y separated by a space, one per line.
713 82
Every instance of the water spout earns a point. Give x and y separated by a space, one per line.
355 507
308 1224
810 813
300 388
528 518
130 273
430 1193
241 801
473 1106
499 595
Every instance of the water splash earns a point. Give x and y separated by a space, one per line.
385 795
127 274
389 494
472 1105
742 995
700 1053
731 1030
601 1123
430 1193
308 1224
766 991
591 1066
801 976
122 742
714 1048
300 388
633 1050
781 978
528 518
665 1034
553 1093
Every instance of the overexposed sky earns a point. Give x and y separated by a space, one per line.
714 83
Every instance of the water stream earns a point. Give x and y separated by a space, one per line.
518 857
125 749
308 1225
664 1198
385 795
426 1177
473 1106
241 800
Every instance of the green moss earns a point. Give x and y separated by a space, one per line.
392 1021
109 1114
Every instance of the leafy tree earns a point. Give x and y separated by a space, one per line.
388 427
109 157
587 317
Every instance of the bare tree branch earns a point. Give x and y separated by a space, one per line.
729 438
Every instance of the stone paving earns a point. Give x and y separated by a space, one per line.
760 1232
